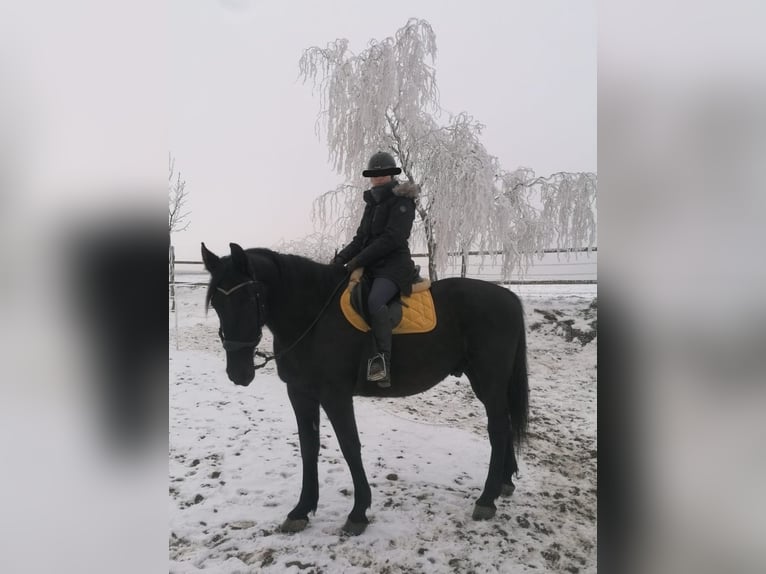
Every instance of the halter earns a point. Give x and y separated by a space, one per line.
231 345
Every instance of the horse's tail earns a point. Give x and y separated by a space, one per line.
518 390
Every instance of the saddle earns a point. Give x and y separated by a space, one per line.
408 314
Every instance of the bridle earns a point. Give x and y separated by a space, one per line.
231 345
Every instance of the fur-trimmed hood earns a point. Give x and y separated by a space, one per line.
394 188
407 189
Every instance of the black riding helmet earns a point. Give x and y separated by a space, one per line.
381 163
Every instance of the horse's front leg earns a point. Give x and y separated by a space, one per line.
306 410
339 407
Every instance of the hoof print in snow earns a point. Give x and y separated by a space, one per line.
551 556
242 525
217 540
392 476
300 565
248 558
199 498
195 462
215 474
267 558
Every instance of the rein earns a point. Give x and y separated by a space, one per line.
306 332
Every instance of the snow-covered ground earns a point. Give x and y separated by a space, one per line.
235 468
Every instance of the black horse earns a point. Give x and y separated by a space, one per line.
322 358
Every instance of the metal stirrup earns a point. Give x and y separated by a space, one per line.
380 376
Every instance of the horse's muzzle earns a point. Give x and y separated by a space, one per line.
241 377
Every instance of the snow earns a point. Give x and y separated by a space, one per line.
235 468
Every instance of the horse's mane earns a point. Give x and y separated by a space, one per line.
300 270
289 264
289 267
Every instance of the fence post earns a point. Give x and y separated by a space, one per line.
172 271
173 289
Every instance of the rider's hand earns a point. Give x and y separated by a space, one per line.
351 265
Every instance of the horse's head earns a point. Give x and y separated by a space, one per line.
238 299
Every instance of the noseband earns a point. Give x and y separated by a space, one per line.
231 345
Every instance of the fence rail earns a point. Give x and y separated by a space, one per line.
509 282
476 253
542 279
470 253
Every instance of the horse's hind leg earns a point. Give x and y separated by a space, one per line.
340 411
307 415
499 437
511 466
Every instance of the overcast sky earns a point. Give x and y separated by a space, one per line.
242 124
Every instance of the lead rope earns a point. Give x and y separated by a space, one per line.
268 357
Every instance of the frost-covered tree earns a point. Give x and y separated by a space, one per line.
385 98
564 217
317 246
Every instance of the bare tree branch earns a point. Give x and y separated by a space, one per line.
177 197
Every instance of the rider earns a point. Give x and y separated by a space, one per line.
380 246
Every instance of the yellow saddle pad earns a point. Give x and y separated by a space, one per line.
418 313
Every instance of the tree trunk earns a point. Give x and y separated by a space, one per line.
431 246
464 263
430 239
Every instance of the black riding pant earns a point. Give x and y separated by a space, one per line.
381 292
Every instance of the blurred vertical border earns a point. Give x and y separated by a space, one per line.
83 286
682 352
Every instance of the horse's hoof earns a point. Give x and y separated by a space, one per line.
507 489
354 528
290 525
483 512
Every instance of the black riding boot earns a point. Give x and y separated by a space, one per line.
379 367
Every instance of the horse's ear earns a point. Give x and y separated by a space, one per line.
210 259
239 258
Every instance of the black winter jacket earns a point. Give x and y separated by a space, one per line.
381 242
